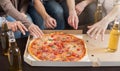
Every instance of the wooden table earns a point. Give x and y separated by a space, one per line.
4 64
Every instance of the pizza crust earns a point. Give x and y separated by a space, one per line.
31 42
29 50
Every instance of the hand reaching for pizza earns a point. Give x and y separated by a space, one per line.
50 22
98 28
73 20
35 30
17 25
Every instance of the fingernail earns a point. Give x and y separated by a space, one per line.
24 34
87 33
35 36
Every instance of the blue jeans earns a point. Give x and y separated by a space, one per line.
54 9
18 34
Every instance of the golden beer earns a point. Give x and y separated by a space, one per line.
114 38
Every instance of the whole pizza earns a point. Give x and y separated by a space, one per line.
57 46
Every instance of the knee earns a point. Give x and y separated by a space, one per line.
58 12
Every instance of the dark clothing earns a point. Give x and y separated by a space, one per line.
54 9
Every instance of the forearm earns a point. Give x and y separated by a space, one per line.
10 10
71 5
40 8
89 1
113 14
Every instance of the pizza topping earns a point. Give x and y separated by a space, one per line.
58 47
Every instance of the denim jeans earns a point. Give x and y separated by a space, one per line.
18 34
54 9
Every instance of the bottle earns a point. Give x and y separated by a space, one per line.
14 55
98 13
114 37
4 38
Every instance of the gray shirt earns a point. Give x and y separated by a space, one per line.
9 9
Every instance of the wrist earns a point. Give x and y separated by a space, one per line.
105 21
45 16
71 12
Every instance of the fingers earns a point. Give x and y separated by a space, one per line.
21 27
98 33
76 23
54 23
24 27
48 25
90 31
51 23
13 26
71 22
94 32
102 35
35 31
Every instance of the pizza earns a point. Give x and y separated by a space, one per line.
57 46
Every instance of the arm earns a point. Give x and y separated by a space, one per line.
101 26
40 8
81 6
71 6
73 18
113 14
10 10
14 26
49 21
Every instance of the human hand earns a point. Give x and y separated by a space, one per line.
35 31
50 22
17 25
80 7
97 29
73 20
